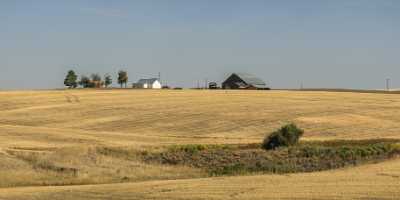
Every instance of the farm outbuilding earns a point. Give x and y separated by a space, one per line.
244 81
212 85
152 83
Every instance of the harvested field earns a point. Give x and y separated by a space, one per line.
89 137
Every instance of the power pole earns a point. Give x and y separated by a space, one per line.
388 84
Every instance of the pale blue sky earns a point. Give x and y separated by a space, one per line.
340 43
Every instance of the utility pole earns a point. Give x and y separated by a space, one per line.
159 77
388 84
206 83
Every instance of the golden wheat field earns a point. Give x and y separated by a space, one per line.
52 143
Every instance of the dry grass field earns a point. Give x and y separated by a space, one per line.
53 144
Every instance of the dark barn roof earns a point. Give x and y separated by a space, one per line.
252 80
244 81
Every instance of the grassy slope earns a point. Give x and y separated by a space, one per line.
64 128
377 181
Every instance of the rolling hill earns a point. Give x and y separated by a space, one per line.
55 144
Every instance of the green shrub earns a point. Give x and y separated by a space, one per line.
288 135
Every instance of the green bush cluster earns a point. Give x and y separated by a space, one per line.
306 156
367 151
195 148
343 152
287 135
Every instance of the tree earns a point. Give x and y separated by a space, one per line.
96 81
122 78
70 79
85 82
107 80
95 77
288 135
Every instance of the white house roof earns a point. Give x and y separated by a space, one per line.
147 81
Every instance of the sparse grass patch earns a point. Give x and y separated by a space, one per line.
83 165
116 152
39 162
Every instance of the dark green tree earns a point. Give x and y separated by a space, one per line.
95 77
96 81
122 78
70 79
287 135
107 80
85 82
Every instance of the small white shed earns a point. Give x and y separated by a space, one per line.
151 83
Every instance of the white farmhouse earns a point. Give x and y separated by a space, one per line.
152 83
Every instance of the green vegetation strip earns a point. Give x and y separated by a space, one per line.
304 157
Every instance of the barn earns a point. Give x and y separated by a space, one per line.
244 81
151 83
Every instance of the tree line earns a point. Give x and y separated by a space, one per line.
94 80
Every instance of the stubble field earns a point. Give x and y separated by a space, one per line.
55 144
